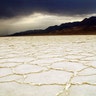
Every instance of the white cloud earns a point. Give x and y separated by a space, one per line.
35 21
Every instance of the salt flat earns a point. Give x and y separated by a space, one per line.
48 66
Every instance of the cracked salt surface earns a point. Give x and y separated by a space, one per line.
48 66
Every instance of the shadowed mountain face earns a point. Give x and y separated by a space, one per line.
85 27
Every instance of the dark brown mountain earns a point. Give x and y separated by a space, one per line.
85 27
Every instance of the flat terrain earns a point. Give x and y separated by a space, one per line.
48 66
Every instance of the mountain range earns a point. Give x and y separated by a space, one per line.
84 27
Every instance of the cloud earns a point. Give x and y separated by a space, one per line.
14 8
21 15
33 21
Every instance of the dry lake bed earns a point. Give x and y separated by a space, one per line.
48 66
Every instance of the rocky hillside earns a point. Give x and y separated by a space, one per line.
85 27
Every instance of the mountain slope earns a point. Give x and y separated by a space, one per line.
85 27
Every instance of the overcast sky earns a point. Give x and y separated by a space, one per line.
20 15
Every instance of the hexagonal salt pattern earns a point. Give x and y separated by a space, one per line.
48 66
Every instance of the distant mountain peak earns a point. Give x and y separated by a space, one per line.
86 26
89 21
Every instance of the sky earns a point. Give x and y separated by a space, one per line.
21 15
